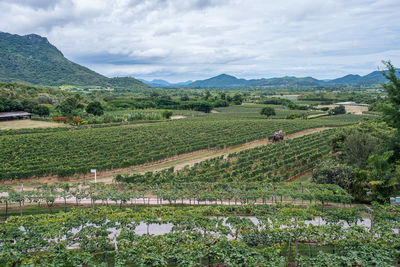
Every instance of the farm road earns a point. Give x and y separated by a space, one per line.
178 162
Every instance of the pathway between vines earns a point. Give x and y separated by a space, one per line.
178 162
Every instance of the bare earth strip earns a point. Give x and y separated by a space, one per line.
178 162
24 124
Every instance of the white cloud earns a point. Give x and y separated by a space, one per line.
193 39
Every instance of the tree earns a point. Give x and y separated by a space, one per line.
95 108
392 111
70 107
207 95
237 99
42 111
331 172
339 110
268 111
29 105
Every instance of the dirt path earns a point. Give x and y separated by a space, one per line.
178 162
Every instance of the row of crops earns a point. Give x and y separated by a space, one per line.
189 193
269 163
248 235
67 152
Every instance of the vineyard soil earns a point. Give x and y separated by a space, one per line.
28 124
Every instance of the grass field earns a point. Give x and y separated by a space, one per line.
28 124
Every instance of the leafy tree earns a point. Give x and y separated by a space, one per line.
358 142
29 105
331 172
7 105
207 95
268 111
339 110
42 111
95 108
392 111
70 107
237 99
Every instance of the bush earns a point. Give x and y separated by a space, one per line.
95 108
167 114
268 111
339 110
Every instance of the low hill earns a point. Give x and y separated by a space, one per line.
33 59
222 80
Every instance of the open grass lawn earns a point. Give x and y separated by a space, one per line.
23 124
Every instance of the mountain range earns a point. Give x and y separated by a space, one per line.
33 59
163 83
224 80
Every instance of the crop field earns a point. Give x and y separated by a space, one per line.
69 152
269 163
264 235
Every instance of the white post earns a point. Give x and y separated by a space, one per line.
95 174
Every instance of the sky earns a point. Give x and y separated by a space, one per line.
179 40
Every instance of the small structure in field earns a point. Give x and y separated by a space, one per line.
16 115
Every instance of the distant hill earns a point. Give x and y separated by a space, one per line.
163 83
224 80
31 58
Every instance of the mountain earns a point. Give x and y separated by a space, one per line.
33 59
163 83
224 80
374 77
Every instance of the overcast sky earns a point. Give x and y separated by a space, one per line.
178 40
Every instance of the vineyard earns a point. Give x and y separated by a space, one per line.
248 235
270 163
68 152
195 193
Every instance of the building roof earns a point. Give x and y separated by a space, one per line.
351 104
14 114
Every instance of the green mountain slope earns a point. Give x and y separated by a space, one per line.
31 58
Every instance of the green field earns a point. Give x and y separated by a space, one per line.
68 152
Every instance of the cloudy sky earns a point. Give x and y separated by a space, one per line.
178 40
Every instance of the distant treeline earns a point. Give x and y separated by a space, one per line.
166 102
284 102
8 105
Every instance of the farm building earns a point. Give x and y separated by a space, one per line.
17 115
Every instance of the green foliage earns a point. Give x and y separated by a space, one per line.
339 110
70 107
368 147
281 235
42 111
331 172
392 111
95 108
268 111
167 114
